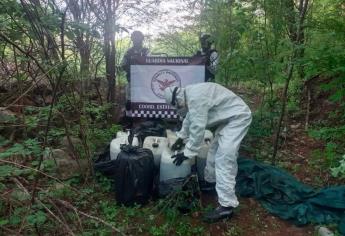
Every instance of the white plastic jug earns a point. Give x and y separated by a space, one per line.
168 170
202 157
156 145
116 144
171 136
120 134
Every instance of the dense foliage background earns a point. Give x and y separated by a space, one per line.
61 95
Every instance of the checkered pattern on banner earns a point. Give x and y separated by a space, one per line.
153 114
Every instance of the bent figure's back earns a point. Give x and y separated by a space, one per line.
221 104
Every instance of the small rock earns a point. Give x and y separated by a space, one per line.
263 153
296 126
6 115
196 214
47 154
307 179
251 202
49 99
66 166
70 168
60 154
75 142
323 231
39 100
59 186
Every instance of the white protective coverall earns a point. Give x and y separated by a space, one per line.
212 105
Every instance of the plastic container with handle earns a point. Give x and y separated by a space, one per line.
156 145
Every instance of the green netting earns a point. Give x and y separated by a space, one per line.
284 196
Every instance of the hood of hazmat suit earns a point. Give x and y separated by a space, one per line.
175 96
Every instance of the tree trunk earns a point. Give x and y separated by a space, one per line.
85 76
308 108
297 41
109 47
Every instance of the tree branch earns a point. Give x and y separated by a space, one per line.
25 53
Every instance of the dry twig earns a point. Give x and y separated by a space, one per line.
70 206
38 171
19 184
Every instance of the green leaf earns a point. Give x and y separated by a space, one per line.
38 218
3 222
15 219
20 195
16 149
2 188
6 170
9 170
3 141
28 147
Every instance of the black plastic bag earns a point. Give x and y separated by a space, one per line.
169 186
134 175
149 128
105 165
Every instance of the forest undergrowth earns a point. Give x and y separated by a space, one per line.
62 97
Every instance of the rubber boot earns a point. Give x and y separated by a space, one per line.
218 214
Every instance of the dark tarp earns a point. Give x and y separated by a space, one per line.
282 195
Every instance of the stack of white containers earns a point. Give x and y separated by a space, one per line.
161 149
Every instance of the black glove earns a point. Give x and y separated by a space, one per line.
179 158
178 145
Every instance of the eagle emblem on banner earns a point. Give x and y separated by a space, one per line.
163 79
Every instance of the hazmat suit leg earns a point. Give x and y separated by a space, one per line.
225 160
209 172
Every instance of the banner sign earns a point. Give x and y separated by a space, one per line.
150 76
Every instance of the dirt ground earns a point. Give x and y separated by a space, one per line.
251 219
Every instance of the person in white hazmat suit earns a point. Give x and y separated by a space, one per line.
208 105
